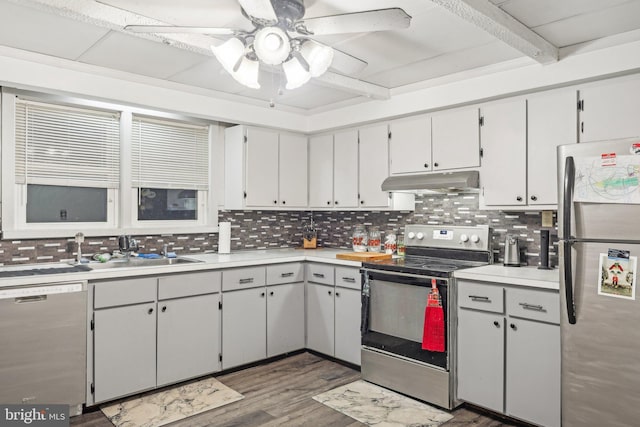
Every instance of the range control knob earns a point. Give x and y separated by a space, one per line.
464 238
412 235
420 236
475 238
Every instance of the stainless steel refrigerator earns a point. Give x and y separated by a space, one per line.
599 232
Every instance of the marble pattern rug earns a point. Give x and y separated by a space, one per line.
377 406
170 405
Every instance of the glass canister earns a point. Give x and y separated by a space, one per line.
359 239
390 242
374 239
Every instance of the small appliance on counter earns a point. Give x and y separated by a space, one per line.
544 251
309 235
511 251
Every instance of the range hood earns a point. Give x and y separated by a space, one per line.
436 182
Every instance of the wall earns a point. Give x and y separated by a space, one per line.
280 229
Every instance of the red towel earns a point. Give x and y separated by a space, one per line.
433 333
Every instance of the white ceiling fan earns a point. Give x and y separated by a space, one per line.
281 36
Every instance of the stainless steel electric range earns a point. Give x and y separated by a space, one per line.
394 297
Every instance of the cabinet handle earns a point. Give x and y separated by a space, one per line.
247 280
337 294
286 274
479 298
519 198
496 323
284 202
329 203
150 311
426 165
164 308
534 198
349 279
336 202
275 202
320 275
271 293
533 307
435 165
262 294
362 202
329 292
513 326
581 127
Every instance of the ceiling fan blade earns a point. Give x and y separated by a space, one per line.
261 9
357 22
183 30
346 64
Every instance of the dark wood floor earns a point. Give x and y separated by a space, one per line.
280 393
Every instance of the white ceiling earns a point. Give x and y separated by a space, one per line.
438 43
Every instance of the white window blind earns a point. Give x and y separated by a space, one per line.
167 154
60 145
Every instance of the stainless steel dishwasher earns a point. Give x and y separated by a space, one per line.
43 336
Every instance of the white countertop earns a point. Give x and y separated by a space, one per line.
519 276
210 261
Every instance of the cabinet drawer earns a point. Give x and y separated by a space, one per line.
185 285
285 273
319 273
533 304
124 292
243 278
481 297
348 277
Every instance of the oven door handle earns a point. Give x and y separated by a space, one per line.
403 278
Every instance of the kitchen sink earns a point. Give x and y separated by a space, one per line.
141 262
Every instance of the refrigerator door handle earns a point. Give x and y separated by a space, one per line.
567 202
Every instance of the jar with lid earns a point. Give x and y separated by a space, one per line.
390 242
374 239
359 239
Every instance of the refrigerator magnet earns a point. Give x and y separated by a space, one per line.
617 274
635 148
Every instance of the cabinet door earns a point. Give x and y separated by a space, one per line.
504 162
347 325
481 358
410 145
244 332
533 372
261 167
610 111
124 351
285 318
456 139
293 170
373 166
345 161
321 171
188 338
552 121
320 318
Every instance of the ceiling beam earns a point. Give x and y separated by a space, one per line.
349 84
503 26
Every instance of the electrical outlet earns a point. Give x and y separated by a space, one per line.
547 218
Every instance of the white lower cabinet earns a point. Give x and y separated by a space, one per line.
509 350
285 318
347 325
320 318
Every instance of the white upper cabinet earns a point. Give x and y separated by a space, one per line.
374 165
410 145
293 170
345 169
503 174
262 167
552 119
610 110
455 139
321 171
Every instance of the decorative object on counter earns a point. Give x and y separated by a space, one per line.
544 250
171 405
375 239
511 251
224 237
360 239
390 242
309 235
374 405
363 256
400 246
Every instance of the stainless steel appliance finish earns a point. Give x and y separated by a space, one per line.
43 335
394 299
445 181
512 251
600 334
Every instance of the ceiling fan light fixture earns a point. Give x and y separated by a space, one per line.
318 56
247 73
295 73
271 45
229 53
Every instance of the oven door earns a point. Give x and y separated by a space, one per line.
393 310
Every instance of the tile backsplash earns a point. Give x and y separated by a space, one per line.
281 229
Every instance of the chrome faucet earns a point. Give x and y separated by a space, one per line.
79 239
127 244
165 250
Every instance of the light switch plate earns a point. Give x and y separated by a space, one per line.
547 218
